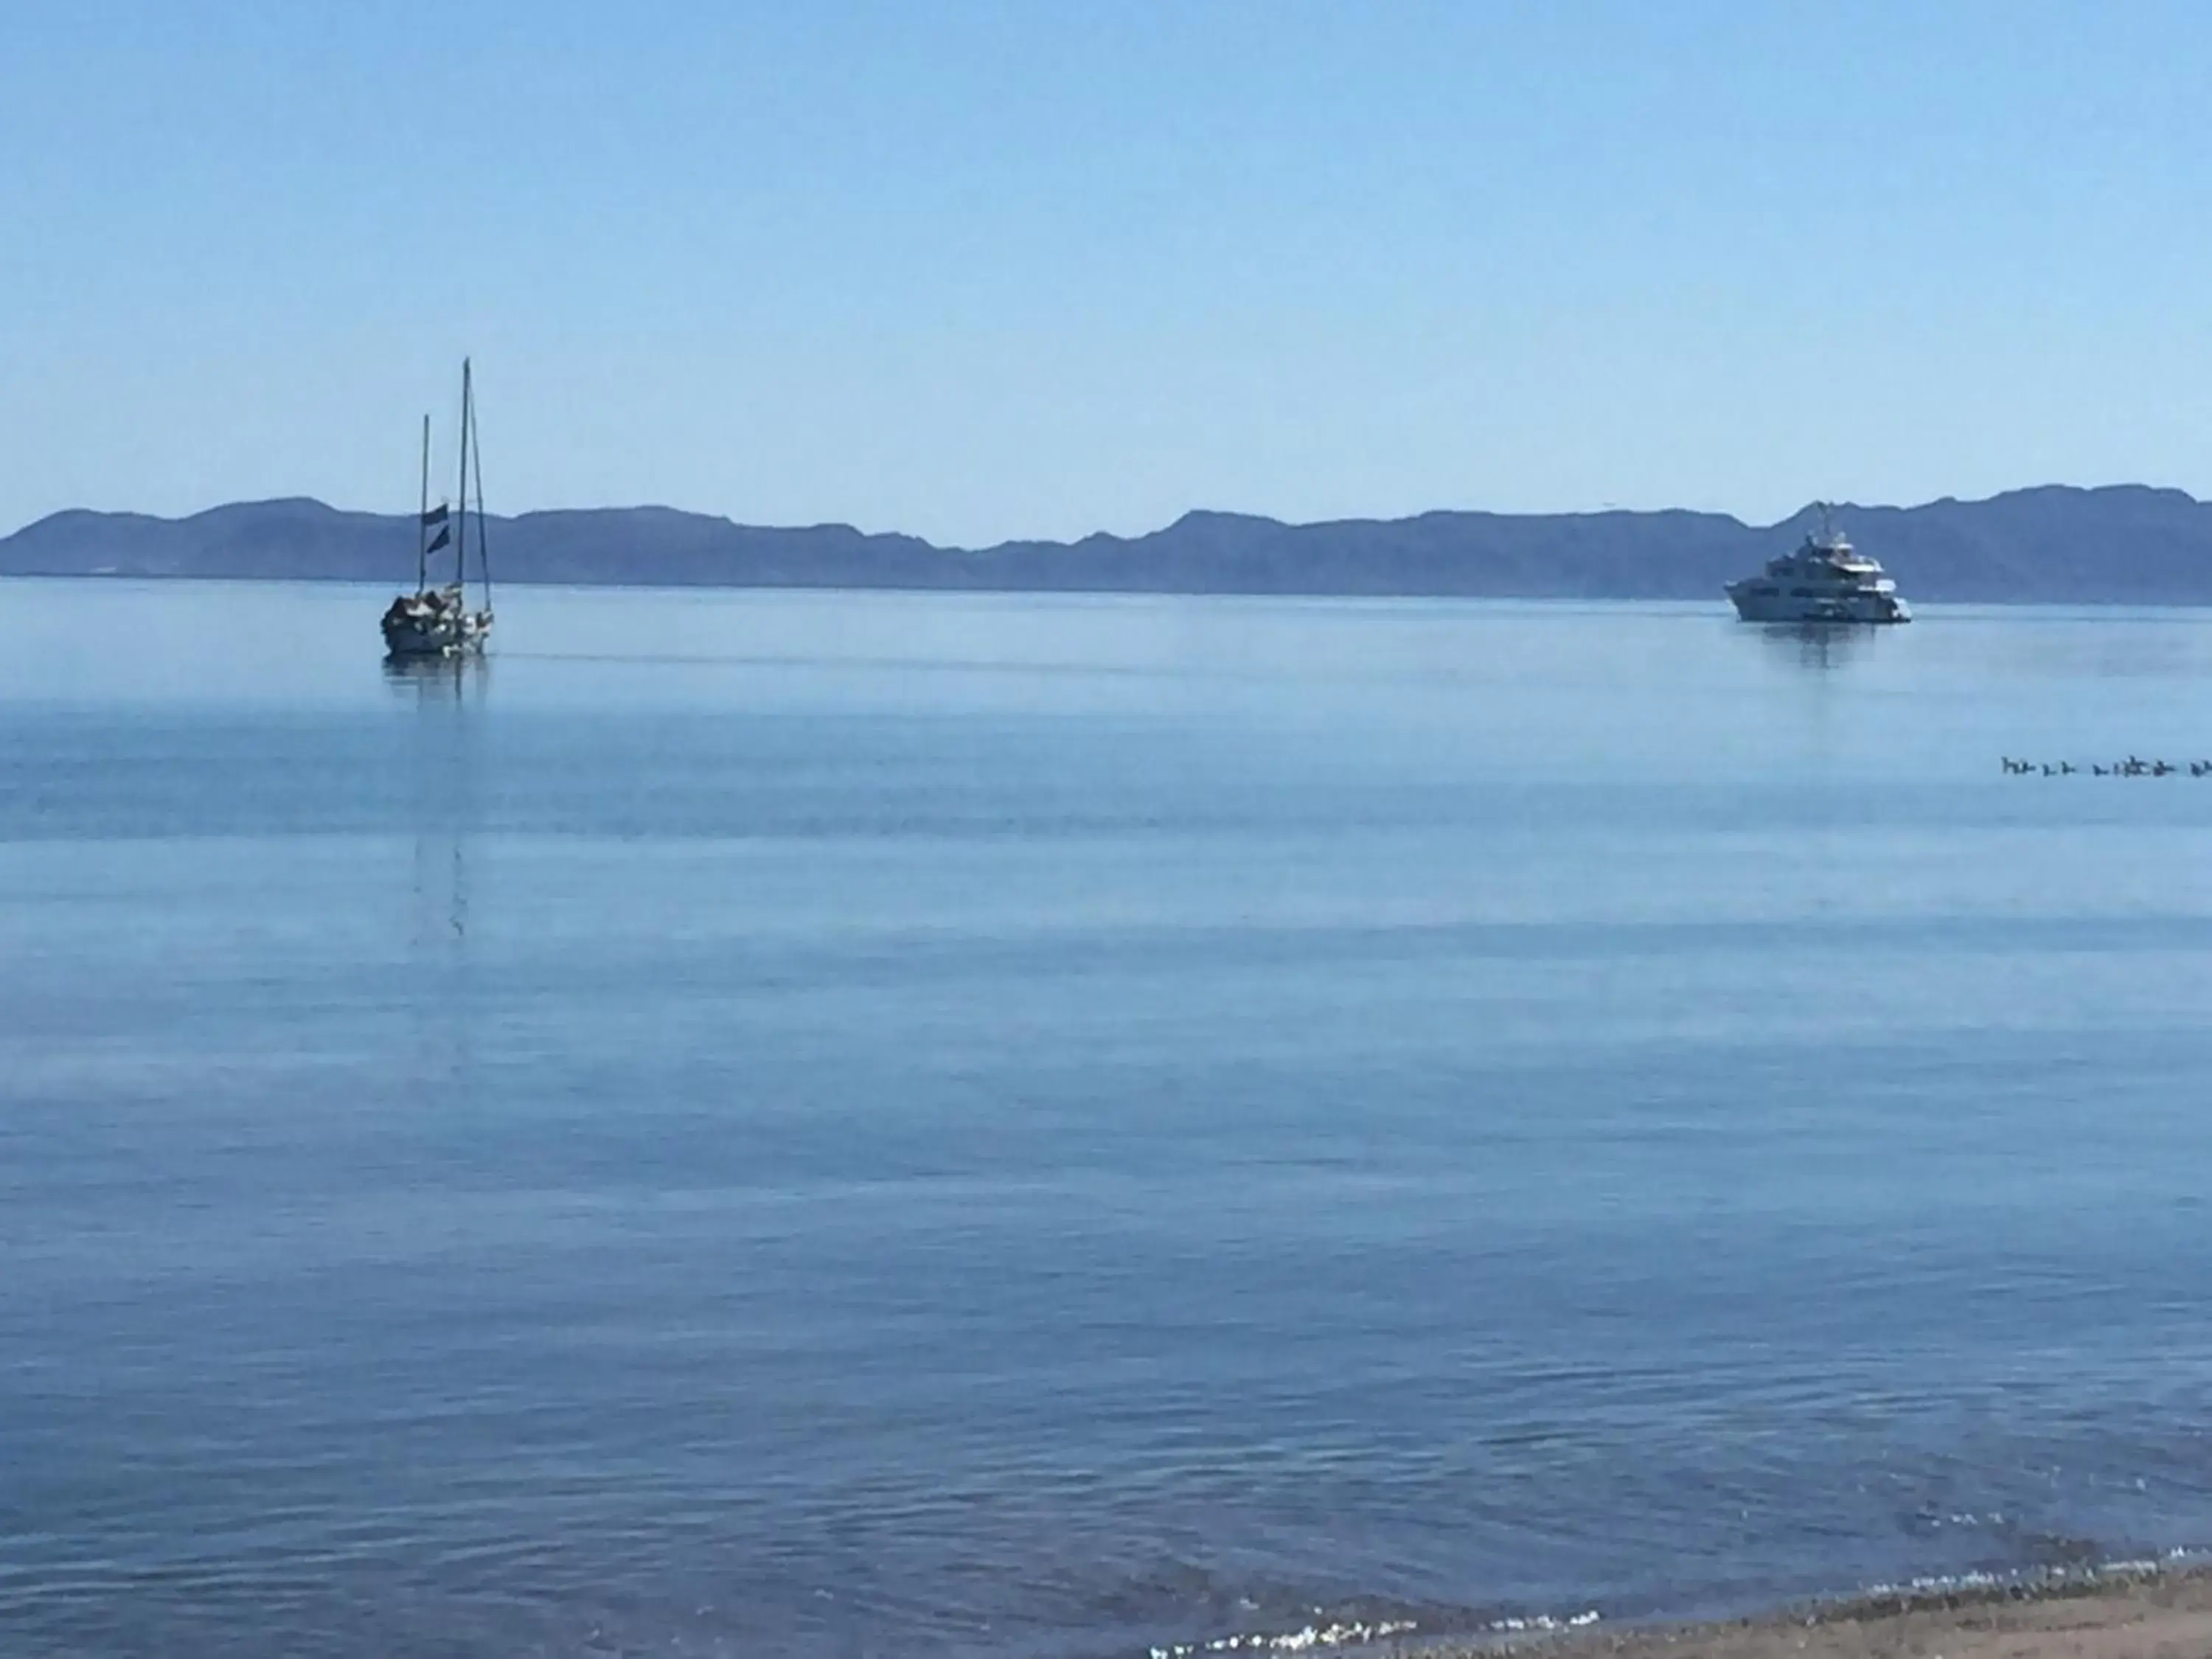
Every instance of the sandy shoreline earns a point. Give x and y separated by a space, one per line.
2150 1613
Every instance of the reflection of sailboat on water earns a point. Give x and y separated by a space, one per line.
443 689
436 622
444 749
437 680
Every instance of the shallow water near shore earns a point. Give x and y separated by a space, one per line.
814 1124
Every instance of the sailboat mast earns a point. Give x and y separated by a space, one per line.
422 517
483 540
461 529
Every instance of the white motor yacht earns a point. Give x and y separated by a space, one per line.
1825 581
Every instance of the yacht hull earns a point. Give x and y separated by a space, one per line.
1877 608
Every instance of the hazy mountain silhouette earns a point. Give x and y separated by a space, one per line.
2122 544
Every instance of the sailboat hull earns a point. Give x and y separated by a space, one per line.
434 625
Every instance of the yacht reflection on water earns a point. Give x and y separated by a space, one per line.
1821 645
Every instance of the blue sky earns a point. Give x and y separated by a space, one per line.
982 269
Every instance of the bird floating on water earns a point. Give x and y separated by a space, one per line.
2133 767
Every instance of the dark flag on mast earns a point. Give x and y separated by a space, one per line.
443 535
435 515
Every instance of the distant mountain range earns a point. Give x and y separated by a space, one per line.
2122 544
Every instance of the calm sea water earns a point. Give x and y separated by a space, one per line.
803 1125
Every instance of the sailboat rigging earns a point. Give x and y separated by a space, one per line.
436 622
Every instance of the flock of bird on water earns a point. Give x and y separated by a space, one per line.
2130 767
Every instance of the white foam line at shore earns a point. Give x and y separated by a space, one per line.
2030 1577
1352 1633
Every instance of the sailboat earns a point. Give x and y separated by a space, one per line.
436 622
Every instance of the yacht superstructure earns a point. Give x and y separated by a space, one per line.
1825 580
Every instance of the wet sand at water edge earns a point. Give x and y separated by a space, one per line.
2114 1615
